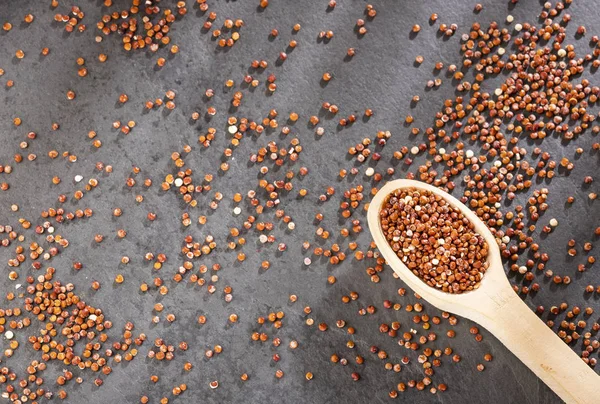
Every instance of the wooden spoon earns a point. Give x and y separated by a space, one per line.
495 306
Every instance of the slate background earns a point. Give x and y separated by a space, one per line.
381 76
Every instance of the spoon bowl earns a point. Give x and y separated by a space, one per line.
495 306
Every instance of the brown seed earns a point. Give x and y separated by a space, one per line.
434 268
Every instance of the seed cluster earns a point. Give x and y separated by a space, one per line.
434 240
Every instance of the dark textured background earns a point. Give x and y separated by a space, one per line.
381 76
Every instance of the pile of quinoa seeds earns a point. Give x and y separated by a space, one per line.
434 240
181 236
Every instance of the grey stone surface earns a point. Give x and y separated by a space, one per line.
381 76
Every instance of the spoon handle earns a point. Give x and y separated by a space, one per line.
538 347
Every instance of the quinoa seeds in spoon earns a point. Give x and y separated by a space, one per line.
434 240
